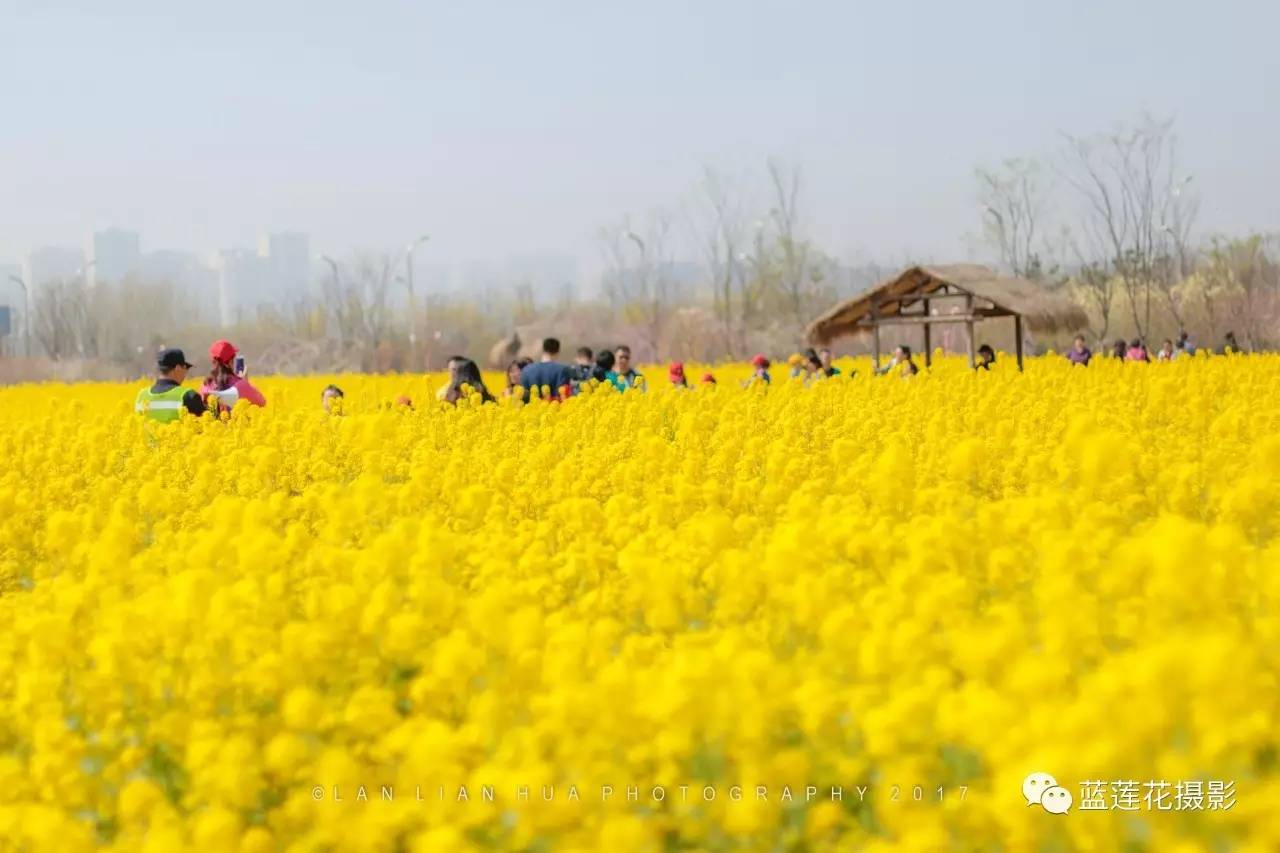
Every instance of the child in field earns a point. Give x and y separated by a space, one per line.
760 375
799 365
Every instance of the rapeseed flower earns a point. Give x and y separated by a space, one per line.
218 634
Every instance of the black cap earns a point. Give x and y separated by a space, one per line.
171 358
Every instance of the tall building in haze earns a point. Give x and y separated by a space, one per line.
114 254
242 281
547 274
13 303
288 257
278 271
195 281
10 290
52 263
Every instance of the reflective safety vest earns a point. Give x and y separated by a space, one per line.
164 407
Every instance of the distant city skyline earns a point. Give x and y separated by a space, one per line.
228 282
114 253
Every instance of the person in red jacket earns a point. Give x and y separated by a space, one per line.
224 384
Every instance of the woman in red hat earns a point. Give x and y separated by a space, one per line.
760 375
224 383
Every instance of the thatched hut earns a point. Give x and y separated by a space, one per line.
955 293
503 352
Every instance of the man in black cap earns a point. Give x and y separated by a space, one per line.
164 400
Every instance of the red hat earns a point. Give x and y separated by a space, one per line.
676 368
222 352
760 361
707 377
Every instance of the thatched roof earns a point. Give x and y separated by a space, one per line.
503 352
996 295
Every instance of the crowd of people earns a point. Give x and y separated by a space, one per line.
1136 349
527 378
227 381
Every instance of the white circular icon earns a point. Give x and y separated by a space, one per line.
1056 800
1034 786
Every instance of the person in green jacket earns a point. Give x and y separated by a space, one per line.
164 400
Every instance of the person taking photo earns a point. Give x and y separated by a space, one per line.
225 384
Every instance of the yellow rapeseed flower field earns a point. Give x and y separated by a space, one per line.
402 629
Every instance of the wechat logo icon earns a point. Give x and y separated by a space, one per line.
1041 789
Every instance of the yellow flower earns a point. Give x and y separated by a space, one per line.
236 634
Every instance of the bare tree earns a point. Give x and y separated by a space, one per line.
785 182
137 315
57 308
1013 198
1097 285
525 304
1243 280
758 276
718 222
1177 221
638 273
358 303
1125 181
304 318
69 318
615 277
375 273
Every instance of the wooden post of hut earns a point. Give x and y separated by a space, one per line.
875 336
969 333
928 341
1017 331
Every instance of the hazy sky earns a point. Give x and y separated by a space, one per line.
518 127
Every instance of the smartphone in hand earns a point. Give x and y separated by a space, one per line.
239 365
